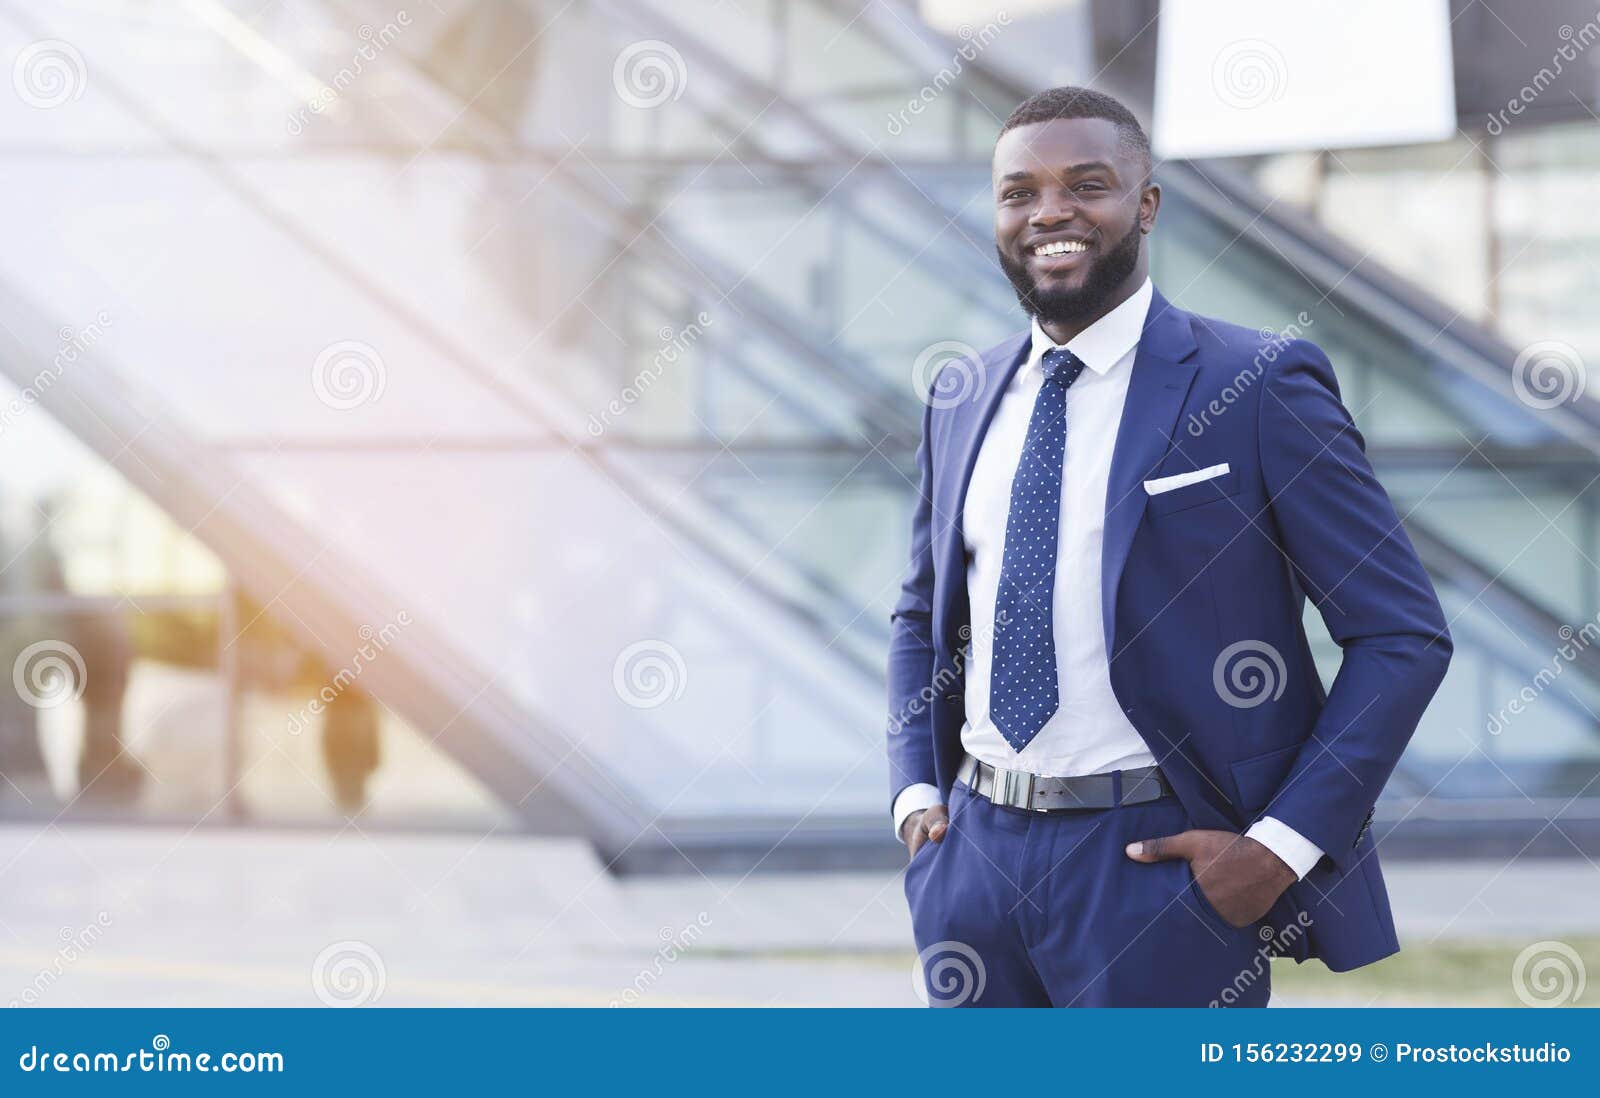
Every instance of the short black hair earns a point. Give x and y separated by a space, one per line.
1071 102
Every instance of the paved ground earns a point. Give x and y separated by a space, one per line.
93 916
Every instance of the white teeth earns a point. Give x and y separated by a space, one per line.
1061 247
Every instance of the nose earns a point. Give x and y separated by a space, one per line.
1051 213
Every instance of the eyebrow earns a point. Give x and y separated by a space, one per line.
1074 169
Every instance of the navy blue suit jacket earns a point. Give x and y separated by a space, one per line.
1191 572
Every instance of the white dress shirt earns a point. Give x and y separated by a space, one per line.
1089 733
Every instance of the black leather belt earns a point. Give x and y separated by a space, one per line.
1036 793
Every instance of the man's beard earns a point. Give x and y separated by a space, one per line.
1064 304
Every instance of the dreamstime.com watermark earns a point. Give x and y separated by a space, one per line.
159 1057
374 40
348 374
349 974
374 643
1574 43
1274 943
1549 974
973 42
49 673
74 343
946 677
674 944
947 373
1249 73
1574 641
673 345
1249 672
74 944
49 73
649 673
649 73
948 974
1548 374
1272 345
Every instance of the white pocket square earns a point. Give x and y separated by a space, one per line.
1167 484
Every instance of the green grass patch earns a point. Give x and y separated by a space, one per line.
1456 973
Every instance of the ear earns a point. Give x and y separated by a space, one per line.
1149 206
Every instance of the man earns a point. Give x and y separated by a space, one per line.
1130 787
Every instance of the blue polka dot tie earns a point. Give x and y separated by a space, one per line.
1022 680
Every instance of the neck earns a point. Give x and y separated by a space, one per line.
1062 332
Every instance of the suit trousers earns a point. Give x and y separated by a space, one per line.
1018 908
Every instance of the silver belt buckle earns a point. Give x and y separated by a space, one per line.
1013 788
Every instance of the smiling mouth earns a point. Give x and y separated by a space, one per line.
1058 248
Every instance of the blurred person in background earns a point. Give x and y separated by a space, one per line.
106 772
31 568
350 747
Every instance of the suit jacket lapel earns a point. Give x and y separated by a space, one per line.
1156 393
971 421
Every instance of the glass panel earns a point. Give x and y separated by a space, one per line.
1486 224
71 524
568 623
1421 211
1550 282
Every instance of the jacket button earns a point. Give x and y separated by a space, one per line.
952 699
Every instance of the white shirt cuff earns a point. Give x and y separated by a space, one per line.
1298 852
911 799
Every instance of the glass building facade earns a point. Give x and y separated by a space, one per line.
503 414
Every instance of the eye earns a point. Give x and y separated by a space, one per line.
1014 194
1090 187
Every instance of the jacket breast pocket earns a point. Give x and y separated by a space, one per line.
1213 488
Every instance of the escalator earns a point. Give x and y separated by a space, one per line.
1494 478
563 554
746 513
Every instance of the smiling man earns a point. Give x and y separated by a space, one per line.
1131 786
